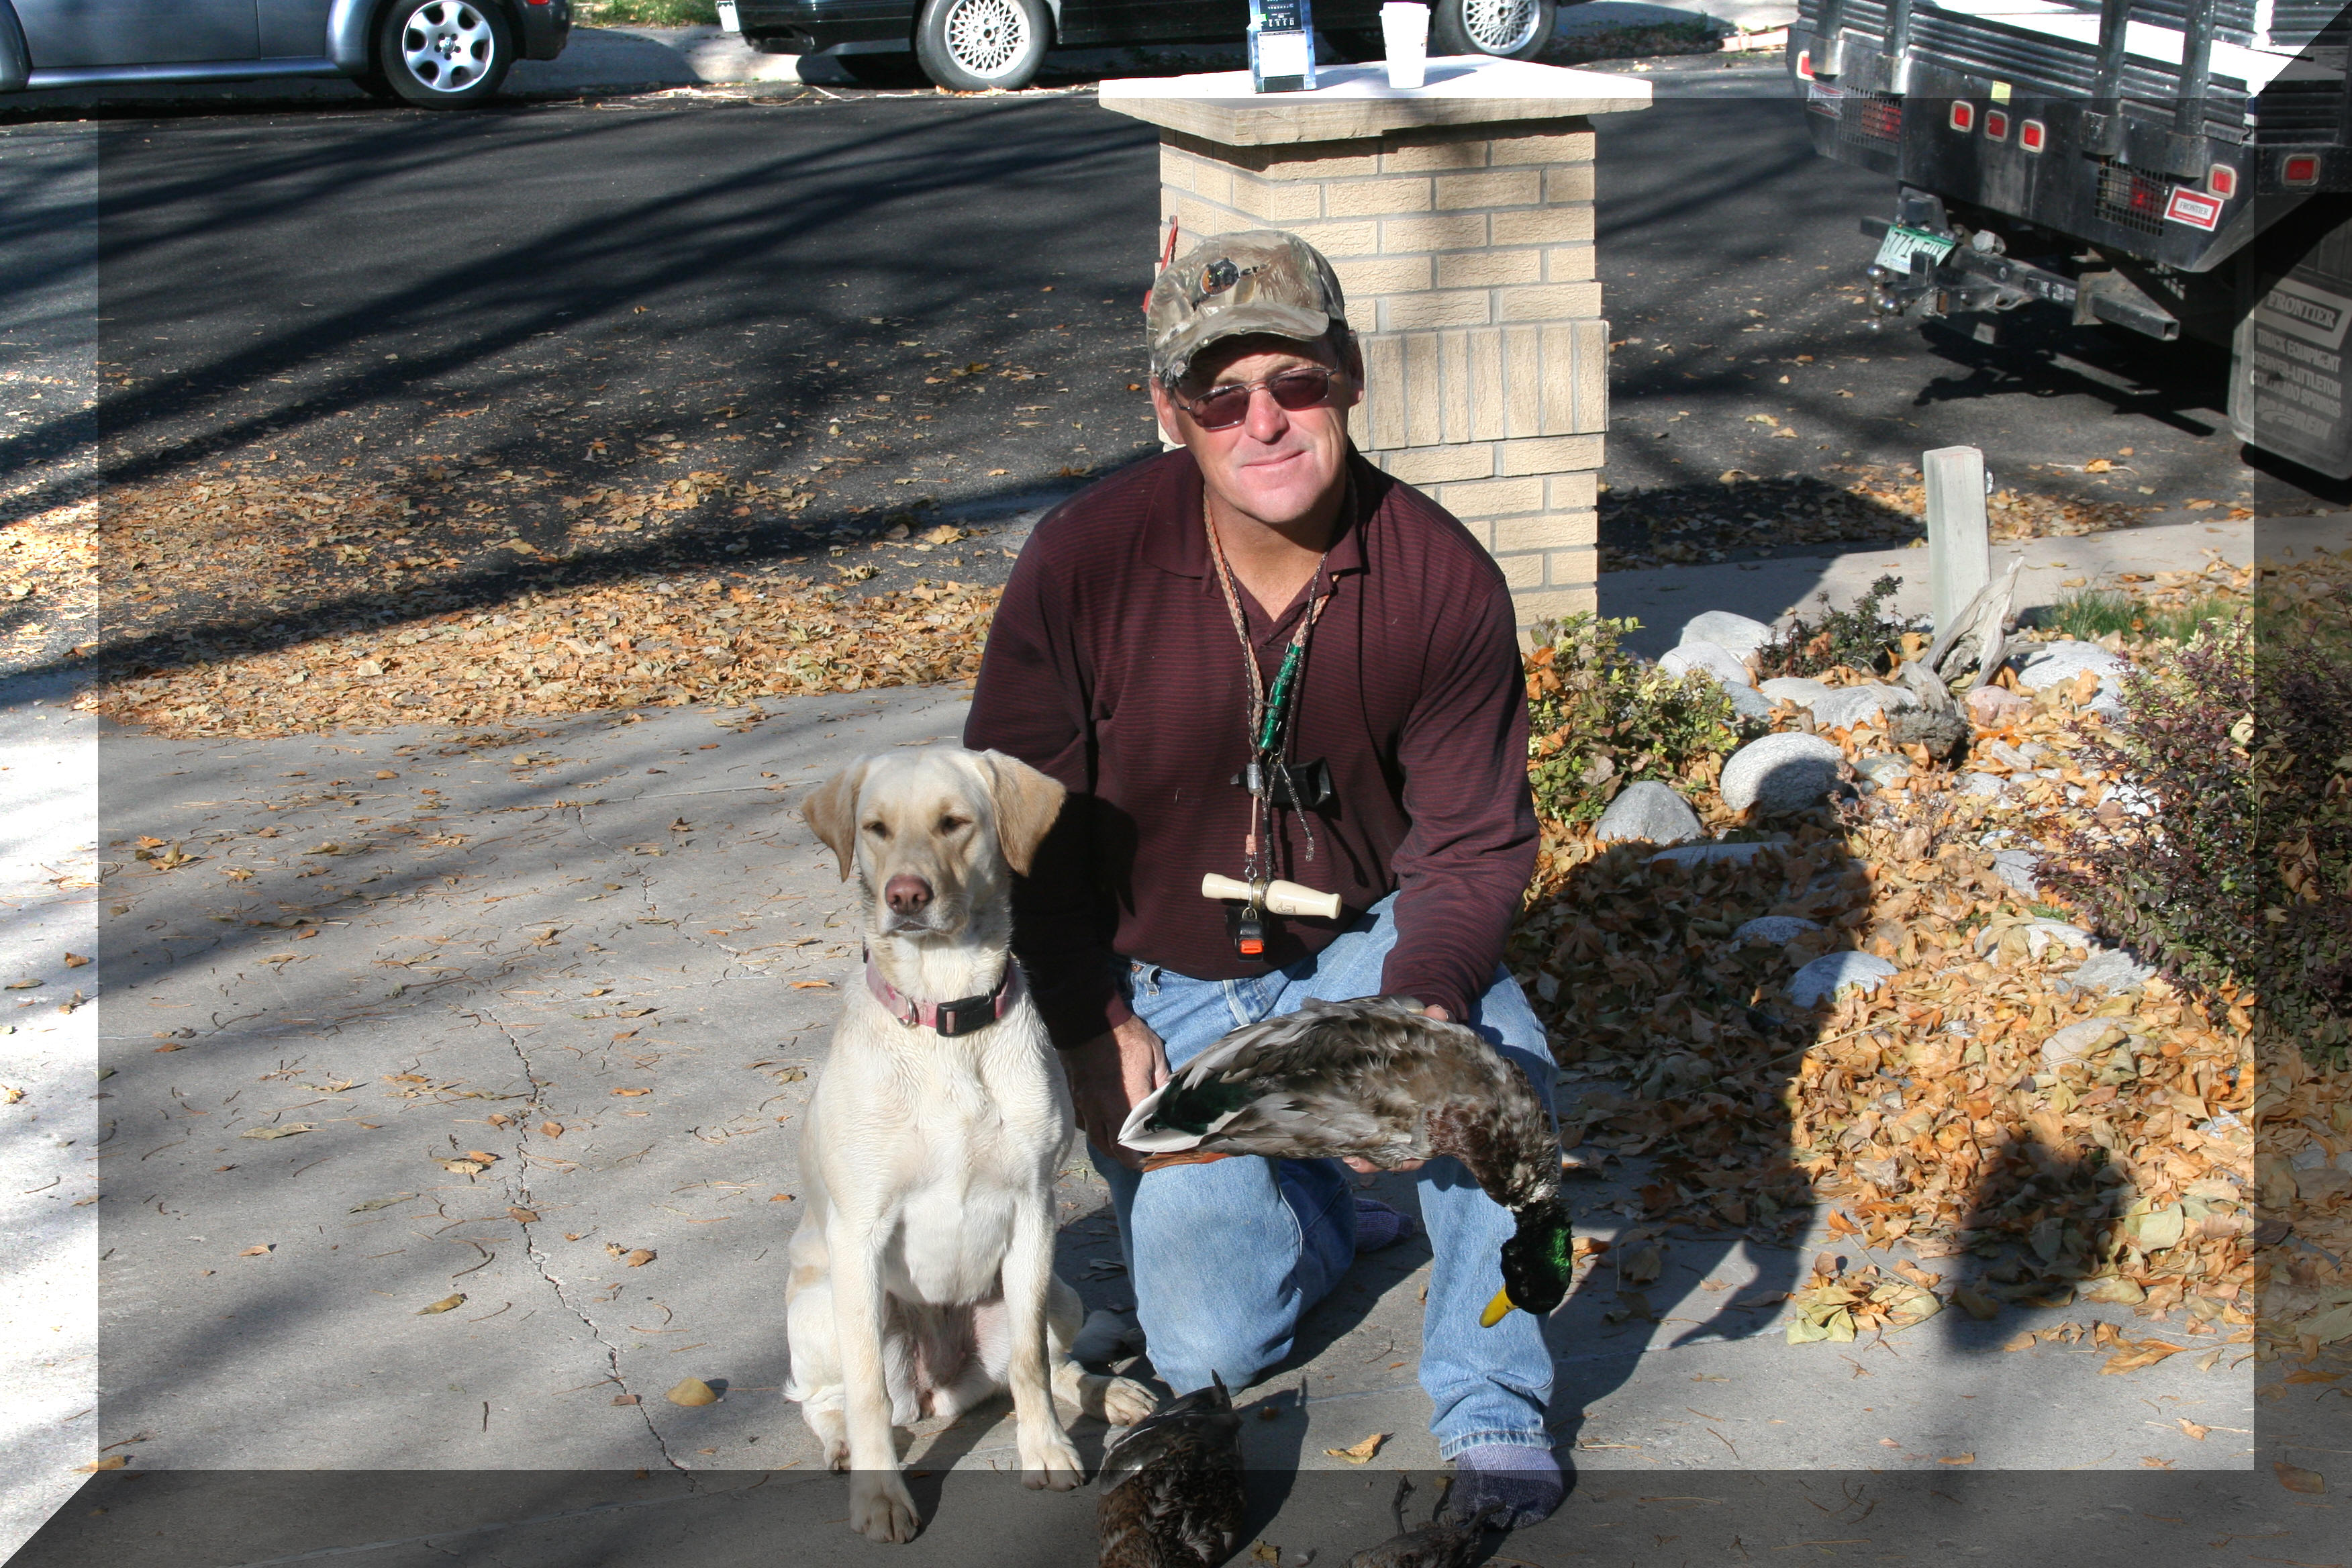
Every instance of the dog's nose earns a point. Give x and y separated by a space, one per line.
907 895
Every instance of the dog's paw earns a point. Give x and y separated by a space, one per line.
881 1508
1049 1461
1120 1401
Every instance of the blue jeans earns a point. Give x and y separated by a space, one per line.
1226 1256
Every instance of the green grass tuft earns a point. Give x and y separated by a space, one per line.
2093 613
647 13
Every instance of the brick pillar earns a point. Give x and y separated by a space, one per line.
1466 252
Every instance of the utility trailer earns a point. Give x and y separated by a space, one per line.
2175 167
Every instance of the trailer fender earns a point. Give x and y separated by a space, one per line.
15 59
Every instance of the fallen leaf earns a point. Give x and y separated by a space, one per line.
639 1258
521 1216
111 1462
812 985
75 961
2295 1479
288 1131
1643 1267
625 1399
445 1304
262 1251
692 1392
2142 1353
2192 1430
1977 1304
2022 1340
1958 1459
630 1093
374 1204
551 1129
461 1167
1362 1453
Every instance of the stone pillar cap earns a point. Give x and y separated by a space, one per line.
1357 102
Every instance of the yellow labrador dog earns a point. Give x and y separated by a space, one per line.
922 1273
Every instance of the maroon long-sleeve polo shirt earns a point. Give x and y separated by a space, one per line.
1114 667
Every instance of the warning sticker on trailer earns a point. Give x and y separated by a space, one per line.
2194 208
1826 98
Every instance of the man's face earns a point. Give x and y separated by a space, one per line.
1277 463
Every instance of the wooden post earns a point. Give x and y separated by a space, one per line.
1959 541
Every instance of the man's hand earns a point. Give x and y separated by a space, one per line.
1365 1167
1110 1076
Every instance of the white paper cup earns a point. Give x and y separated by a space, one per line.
1404 29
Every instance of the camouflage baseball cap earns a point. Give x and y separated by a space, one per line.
1258 280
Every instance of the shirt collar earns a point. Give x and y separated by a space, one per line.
1175 542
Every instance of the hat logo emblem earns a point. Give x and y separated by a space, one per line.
1216 277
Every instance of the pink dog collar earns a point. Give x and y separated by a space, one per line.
964 1016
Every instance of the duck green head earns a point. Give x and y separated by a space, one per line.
1537 1262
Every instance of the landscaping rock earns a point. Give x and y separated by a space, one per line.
1826 976
1884 771
2111 970
1747 701
1797 689
1702 854
1993 706
1737 635
2044 930
1981 784
2051 663
1849 705
2014 866
1778 930
1706 658
1780 773
1651 812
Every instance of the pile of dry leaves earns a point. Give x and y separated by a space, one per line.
361 569
2115 1162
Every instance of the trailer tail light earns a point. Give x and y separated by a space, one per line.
1805 64
2032 135
2303 169
1964 115
2222 180
1996 125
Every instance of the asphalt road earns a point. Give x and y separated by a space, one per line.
921 306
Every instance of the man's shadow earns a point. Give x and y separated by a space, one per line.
1680 1051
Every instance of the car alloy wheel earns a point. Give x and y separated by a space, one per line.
448 46
987 37
1500 27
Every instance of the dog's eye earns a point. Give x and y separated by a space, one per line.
952 824
880 829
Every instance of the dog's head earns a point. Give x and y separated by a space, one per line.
932 832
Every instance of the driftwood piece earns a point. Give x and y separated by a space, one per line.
1976 636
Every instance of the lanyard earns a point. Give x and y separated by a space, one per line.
1270 712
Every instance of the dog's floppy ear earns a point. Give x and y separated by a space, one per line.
1026 804
831 809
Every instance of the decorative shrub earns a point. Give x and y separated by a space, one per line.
1601 718
1861 638
2235 878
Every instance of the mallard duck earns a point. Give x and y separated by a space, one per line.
1172 1486
1436 1545
1379 1079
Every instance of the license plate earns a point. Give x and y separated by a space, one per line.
1894 252
728 20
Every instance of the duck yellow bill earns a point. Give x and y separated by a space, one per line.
1496 1310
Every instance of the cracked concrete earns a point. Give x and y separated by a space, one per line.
340 971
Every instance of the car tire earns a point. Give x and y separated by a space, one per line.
445 54
971 46
1506 29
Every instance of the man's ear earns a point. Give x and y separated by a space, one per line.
831 809
1026 804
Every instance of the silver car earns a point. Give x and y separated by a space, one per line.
440 54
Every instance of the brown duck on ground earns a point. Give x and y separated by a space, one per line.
1432 1545
1378 1078
1172 1486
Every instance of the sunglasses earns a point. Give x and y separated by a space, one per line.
1308 386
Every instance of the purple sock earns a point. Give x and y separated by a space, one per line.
1521 1484
1378 1226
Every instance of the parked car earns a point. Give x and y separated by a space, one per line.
974 44
439 54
